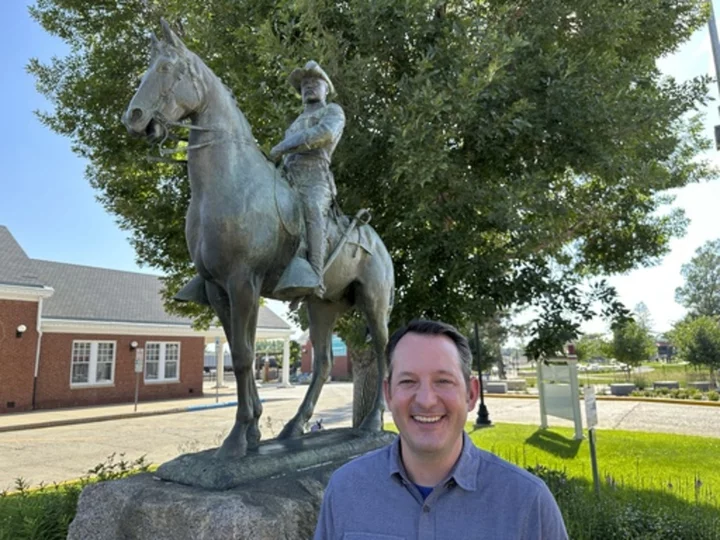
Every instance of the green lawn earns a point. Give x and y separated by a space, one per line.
646 461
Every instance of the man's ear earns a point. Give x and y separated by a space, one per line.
473 393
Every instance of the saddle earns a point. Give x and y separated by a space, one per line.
295 282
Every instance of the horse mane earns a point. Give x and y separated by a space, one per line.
196 64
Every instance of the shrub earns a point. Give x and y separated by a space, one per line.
713 395
640 382
45 513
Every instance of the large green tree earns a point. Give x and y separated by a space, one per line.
509 150
701 292
698 341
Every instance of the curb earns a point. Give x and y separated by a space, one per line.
618 398
123 416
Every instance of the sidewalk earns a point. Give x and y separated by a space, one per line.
226 397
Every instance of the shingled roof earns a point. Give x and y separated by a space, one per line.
85 293
15 266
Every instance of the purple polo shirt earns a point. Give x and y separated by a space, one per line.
372 498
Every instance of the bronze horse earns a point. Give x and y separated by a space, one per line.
243 227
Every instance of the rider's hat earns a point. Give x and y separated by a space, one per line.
311 69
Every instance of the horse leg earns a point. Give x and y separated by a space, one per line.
322 317
220 303
244 306
375 305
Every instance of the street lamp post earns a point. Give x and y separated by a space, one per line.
483 418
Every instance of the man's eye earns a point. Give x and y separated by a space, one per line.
445 381
405 382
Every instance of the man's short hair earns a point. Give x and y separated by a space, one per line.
433 328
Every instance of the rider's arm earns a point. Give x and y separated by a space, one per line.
323 134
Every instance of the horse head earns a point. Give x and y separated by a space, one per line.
170 91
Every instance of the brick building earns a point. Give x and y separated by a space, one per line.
342 364
69 336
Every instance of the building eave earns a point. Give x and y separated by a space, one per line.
26 293
79 326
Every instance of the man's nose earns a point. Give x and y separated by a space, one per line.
426 395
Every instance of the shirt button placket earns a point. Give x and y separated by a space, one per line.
426 530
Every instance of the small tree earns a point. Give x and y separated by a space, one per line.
698 342
632 343
592 345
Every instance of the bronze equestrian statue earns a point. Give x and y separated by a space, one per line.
246 225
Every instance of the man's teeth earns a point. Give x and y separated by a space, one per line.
427 419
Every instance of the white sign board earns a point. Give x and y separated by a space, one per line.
558 400
559 391
590 407
139 360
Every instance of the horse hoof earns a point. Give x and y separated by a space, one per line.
253 438
372 422
231 451
291 430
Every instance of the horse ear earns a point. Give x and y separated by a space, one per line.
154 43
170 36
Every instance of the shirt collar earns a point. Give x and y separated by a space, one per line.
464 473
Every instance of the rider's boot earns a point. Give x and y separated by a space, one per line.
316 256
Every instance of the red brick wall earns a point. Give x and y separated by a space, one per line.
54 378
17 354
306 364
342 366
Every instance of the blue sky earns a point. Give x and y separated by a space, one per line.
50 208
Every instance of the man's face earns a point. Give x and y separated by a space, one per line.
313 89
427 395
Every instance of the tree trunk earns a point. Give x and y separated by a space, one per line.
364 370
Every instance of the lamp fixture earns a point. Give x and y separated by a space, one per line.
133 345
21 330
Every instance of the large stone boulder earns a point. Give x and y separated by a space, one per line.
144 508
273 493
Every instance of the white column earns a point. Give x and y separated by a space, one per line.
286 364
254 363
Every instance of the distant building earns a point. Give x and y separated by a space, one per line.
342 365
69 336
665 350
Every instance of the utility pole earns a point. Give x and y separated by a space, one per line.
716 58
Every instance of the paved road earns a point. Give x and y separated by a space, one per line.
60 453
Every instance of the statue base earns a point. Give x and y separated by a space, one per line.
271 458
267 503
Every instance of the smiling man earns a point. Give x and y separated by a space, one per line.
432 482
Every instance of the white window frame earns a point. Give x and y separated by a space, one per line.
162 360
92 366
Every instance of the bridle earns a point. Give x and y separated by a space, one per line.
167 124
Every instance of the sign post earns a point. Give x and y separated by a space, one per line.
219 368
139 361
592 420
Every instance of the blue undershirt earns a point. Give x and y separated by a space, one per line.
424 491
